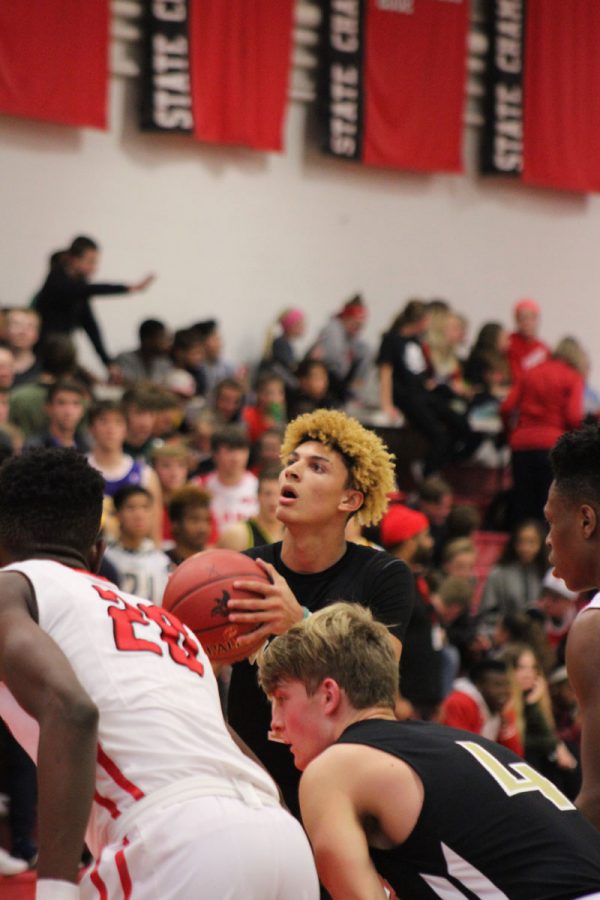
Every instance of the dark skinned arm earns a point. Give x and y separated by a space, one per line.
42 681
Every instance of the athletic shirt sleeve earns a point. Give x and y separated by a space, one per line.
389 592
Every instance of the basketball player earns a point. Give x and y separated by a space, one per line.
436 811
333 469
128 715
573 514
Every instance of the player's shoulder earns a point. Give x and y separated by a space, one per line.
379 561
271 553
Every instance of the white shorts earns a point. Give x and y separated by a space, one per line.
210 848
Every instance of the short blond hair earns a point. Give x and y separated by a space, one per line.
370 464
342 642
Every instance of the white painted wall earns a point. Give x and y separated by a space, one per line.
240 235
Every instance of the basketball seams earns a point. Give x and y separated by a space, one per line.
224 577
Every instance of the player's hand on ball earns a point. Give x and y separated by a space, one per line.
274 613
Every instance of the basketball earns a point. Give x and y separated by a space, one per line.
198 592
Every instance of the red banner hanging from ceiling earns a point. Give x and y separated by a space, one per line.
240 56
561 117
54 60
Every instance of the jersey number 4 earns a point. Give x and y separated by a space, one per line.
181 646
517 778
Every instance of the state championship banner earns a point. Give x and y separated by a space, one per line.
166 94
218 70
502 137
561 127
393 82
54 60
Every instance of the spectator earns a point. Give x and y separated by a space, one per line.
481 704
142 568
339 346
279 355
27 402
264 527
525 350
559 606
459 557
232 487
203 428
313 389
65 408
64 299
266 453
544 403
531 697
405 534
227 401
188 354
108 428
23 332
189 513
171 464
150 362
405 390
455 601
463 521
269 410
215 368
141 406
435 498
444 338
514 584
487 369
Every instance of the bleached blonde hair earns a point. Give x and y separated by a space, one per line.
370 464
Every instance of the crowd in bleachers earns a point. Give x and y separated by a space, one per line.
188 441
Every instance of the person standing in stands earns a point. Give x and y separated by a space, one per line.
63 302
525 349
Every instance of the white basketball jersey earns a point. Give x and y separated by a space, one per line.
160 717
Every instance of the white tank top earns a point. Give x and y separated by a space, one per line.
160 717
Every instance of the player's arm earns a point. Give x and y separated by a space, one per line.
334 828
42 681
583 664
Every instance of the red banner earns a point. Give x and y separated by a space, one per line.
240 56
54 60
561 122
414 83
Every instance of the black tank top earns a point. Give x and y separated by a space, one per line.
485 832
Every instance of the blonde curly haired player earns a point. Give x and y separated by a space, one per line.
369 462
333 468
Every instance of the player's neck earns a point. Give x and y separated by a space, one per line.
306 549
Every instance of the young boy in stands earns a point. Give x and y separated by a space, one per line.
65 408
142 568
189 512
232 487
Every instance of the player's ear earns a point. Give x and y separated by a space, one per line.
331 694
352 500
588 518
96 554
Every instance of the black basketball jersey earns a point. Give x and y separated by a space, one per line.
491 828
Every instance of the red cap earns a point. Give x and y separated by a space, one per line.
401 523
